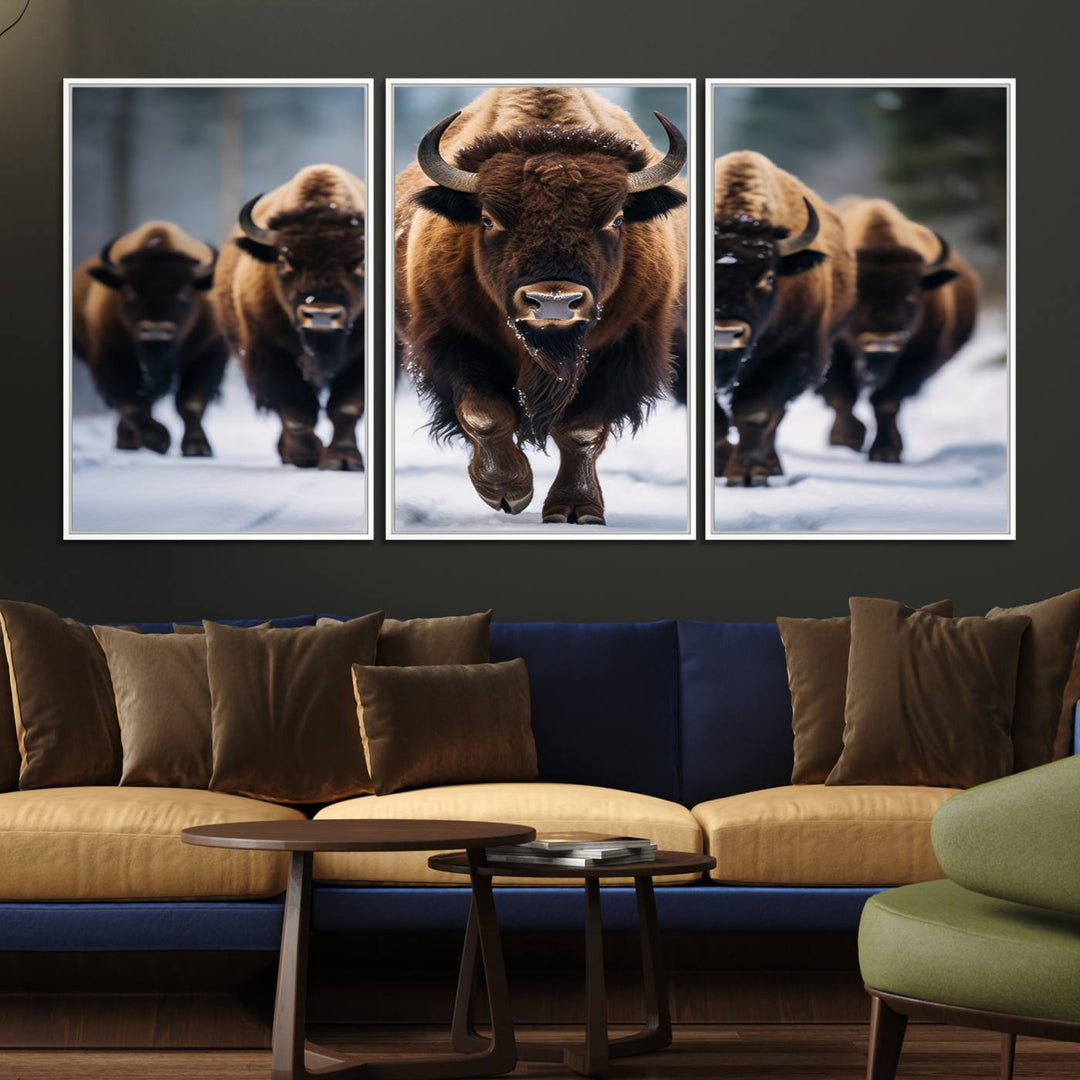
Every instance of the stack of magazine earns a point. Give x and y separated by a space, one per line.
575 849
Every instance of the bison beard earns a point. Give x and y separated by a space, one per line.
548 384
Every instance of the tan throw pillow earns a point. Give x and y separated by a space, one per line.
447 724
1046 656
817 661
929 699
454 639
163 702
197 628
65 717
9 739
282 710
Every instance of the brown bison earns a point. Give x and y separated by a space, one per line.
143 323
290 293
778 304
916 306
540 280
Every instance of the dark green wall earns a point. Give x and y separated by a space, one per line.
549 39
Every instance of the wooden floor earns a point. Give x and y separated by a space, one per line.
729 1052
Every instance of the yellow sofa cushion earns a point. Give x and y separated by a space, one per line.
123 843
546 807
810 834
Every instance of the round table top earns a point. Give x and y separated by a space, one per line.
666 862
375 834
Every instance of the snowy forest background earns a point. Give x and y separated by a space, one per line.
194 155
941 154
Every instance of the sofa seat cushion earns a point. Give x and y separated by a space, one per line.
123 843
940 942
810 834
546 807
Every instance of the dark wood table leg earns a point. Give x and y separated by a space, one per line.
464 1037
657 1031
592 1058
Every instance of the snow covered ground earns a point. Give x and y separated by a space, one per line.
954 474
644 480
243 489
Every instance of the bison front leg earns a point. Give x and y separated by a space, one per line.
721 443
276 383
499 470
840 392
575 496
345 407
754 459
200 382
138 430
887 444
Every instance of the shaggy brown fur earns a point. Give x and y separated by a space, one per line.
319 219
931 312
793 305
152 278
553 166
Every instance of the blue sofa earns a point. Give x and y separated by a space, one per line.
685 712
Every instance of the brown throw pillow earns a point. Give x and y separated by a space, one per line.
9 739
817 663
447 724
1065 739
163 702
454 639
62 697
283 713
929 699
197 628
1046 656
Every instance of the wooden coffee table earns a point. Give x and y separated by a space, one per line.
592 1057
292 1058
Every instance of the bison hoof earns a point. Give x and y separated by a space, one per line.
744 474
560 513
506 504
156 437
850 433
196 446
721 456
302 449
885 453
342 459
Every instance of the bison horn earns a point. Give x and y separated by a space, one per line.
252 231
106 254
790 244
205 271
437 168
664 171
943 254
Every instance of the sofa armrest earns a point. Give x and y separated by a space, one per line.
1017 838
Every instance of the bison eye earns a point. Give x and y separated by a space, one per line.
767 280
486 222
283 264
616 222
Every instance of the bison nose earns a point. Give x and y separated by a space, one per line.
553 302
731 334
888 342
149 330
316 316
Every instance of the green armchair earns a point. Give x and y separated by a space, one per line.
997 944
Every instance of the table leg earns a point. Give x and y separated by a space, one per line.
464 1037
294 1059
657 1031
592 1059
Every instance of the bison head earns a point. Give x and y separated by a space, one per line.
548 207
317 252
890 284
158 289
751 259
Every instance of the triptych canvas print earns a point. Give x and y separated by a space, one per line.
575 283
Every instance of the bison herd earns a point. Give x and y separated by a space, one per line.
540 294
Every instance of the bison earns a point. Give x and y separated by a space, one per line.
778 304
915 307
290 293
540 270
142 322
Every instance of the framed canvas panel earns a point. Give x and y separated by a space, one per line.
217 283
541 323
860 302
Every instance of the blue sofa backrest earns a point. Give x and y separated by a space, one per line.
735 710
605 701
